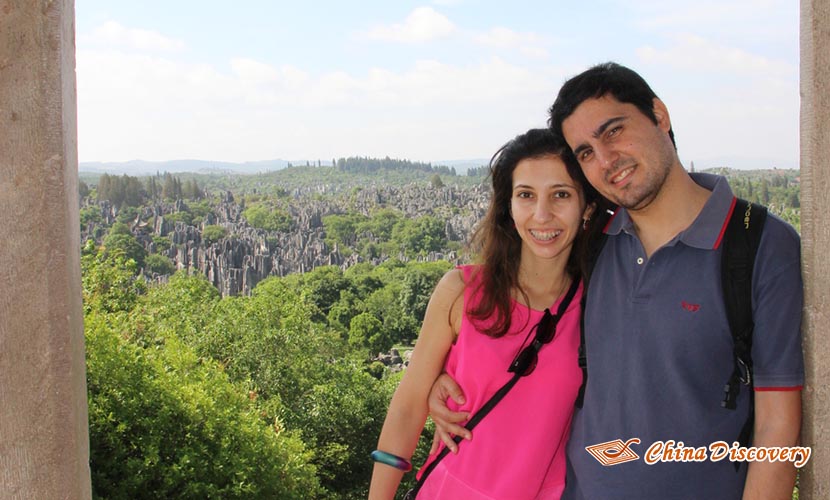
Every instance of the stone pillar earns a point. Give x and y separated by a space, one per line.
815 232
44 441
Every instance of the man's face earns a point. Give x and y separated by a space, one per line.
623 154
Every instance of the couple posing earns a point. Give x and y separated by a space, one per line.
656 335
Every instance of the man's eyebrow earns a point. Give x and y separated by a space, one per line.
598 132
607 123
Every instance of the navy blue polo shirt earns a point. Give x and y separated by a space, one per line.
660 351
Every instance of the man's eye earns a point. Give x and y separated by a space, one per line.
584 155
614 131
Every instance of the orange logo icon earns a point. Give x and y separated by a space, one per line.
614 452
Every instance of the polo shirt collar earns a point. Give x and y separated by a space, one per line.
706 229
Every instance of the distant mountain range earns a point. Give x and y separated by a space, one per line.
141 167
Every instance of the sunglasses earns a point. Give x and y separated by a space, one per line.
527 358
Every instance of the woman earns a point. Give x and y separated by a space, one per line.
480 317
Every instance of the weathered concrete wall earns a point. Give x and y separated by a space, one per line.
44 444
815 231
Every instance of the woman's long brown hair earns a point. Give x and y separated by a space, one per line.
496 241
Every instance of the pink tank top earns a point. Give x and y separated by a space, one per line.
518 449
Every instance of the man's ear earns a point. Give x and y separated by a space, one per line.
661 114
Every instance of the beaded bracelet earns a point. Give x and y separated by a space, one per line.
391 460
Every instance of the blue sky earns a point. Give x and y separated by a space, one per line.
431 81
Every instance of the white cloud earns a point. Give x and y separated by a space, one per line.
156 108
727 101
691 52
113 34
423 24
747 20
529 44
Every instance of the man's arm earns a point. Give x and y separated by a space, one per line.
447 422
777 423
778 366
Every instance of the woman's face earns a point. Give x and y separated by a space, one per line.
547 207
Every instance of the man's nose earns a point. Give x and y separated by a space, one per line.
606 156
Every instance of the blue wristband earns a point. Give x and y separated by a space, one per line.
391 460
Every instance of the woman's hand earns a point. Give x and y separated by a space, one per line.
447 422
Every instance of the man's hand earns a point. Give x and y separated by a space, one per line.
447 423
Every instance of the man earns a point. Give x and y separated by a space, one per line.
657 338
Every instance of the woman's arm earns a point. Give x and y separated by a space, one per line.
408 409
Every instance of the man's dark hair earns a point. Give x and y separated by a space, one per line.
624 84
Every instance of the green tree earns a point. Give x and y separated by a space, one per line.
418 283
183 216
127 214
109 281
90 215
341 313
342 229
367 331
323 286
191 190
436 182
118 243
764 195
165 423
211 234
124 190
120 228
269 218
159 264
161 243
153 189
382 223
398 322
419 236
171 188
83 189
793 201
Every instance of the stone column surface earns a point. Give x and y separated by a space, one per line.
815 231
44 441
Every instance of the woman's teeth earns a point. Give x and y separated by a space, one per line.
545 235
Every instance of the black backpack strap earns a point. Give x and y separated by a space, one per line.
740 245
480 414
591 261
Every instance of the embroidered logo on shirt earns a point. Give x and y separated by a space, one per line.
690 307
614 452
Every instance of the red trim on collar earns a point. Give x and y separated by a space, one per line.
725 223
610 220
772 389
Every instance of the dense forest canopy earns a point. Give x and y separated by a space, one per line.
369 165
201 390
